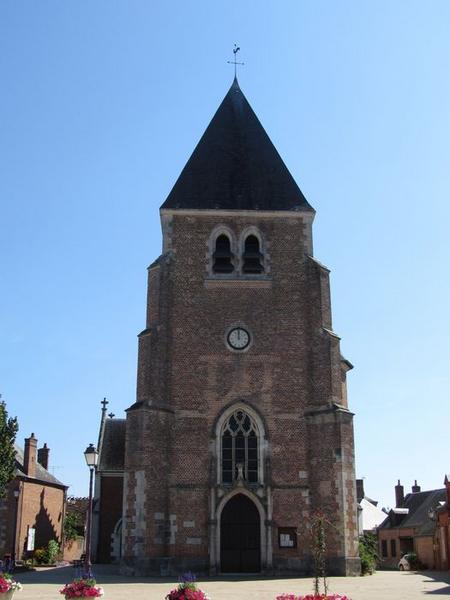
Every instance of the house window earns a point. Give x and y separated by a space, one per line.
393 548
252 257
384 551
239 449
222 257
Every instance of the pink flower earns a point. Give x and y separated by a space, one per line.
312 597
5 584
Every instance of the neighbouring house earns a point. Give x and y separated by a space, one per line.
369 514
442 533
107 509
32 513
410 527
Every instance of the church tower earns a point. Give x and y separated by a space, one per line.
241 429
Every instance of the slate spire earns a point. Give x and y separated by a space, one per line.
235 166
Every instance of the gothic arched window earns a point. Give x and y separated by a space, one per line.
239 448
222 257
252 256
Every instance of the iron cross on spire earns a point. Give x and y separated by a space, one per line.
104 404
234 62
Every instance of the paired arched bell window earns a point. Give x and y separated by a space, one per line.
239 452
224 261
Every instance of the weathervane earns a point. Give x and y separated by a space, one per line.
234 62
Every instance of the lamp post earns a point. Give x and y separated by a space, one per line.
16 494
91 456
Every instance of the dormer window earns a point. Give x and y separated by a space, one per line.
222 257
252 257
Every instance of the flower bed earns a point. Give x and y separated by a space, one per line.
82 588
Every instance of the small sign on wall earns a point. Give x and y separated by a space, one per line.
30 538
287 537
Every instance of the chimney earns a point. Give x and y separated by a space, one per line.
29 456
42 457
415 488
359 490
399 495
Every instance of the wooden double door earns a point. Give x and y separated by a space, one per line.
240 536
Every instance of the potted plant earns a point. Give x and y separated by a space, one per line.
82 588
187 589
8 586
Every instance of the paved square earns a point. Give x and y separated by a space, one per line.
384 585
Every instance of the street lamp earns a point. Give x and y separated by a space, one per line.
91 456
16 494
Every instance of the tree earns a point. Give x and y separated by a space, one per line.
73 521
8 431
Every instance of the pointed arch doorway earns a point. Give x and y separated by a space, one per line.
240 536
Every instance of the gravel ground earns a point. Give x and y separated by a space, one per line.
44 585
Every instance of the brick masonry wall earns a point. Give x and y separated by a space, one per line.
39 506
73 549
111 490
7 518
145 532
425 551
391 560
291 376
422 546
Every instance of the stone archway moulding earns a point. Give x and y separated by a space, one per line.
262 523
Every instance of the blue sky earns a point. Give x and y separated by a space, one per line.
101 105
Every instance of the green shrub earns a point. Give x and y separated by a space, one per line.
40 556
46 556
52 551
368 553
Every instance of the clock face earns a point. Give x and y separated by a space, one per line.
238 338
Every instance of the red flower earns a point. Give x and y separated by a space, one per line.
82 588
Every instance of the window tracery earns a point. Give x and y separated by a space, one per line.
240 441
